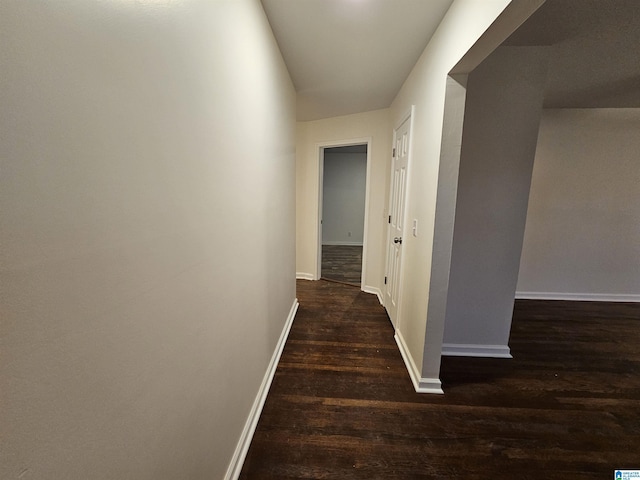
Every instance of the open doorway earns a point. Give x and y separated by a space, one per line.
344 182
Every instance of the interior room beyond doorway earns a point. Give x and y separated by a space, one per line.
343 212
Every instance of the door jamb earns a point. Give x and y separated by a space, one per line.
320 147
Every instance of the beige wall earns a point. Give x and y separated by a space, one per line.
374 125
582 237
147 230
425 87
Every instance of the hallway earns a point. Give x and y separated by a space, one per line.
342 406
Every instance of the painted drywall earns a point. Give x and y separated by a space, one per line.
495 168
309 136
582 238
425 88
343 195
448 171
147 230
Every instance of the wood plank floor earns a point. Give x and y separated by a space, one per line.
342 263
342 406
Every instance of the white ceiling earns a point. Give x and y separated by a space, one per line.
351 56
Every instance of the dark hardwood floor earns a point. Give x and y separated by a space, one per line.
342 263
342 406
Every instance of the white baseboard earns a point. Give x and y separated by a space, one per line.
304 276
578 297
338 242
235 467
466 350
420 384
376 291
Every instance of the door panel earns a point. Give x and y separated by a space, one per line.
397 201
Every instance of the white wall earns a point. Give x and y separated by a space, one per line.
425 88
496 162
147 231
582 238
343 195
309 136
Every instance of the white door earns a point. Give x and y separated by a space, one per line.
396 219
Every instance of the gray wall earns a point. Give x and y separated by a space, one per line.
343 198
582 239
147 230
502 114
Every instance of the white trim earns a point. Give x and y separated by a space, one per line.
320 151
420 384
430 385
320 147
346 244
235 467
304 276
466 350
579 297
409 112
365 228
374 290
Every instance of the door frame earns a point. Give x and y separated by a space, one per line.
320 147
409 114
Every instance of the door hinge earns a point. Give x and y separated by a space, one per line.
389 218
385 280
394 153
